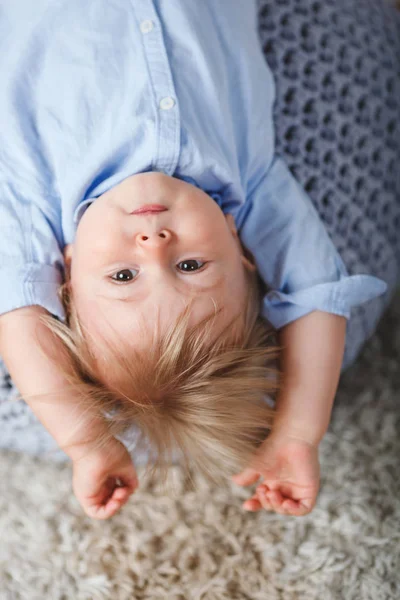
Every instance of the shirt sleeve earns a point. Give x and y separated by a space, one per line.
294 253
31 260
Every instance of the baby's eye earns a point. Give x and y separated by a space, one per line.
124 275
190 265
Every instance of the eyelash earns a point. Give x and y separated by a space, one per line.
184 272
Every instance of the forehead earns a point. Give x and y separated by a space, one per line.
112 320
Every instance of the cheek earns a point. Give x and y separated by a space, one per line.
237 283
98 240
209 231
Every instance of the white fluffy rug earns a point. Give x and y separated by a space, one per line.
202 545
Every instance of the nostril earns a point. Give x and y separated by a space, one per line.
145 237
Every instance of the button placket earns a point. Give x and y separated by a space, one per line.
168 126
167 103
146 26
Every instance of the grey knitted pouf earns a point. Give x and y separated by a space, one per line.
336 65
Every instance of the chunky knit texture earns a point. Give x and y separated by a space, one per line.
337 112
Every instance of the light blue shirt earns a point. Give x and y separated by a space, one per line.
93 92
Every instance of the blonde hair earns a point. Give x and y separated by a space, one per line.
204 398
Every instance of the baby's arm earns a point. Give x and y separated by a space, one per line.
311 359
103 478
41 383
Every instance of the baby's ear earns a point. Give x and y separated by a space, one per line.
246 257
67 258
68 253
248 264
231 224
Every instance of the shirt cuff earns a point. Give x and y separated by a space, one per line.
31 285
337 297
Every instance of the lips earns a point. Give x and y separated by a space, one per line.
149 209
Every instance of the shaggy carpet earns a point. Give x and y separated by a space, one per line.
197 545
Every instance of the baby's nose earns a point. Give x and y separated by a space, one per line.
154 239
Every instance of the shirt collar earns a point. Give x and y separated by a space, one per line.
80 209
85 203
215 195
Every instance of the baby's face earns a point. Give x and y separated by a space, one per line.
132 274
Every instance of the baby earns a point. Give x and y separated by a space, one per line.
124 288
182 237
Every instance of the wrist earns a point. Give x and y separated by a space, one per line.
309 433
77 450
97 451
88 433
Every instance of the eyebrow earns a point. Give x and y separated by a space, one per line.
141 297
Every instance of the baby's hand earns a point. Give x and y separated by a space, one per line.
96 477
291 476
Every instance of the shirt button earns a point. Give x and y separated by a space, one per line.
146 26
167 103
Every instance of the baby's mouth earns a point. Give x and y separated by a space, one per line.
149 208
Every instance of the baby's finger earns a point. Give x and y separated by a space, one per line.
112 506
101 512
105 511
121 493
299 507
253 504
293 507
276 499
266 504
246 477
